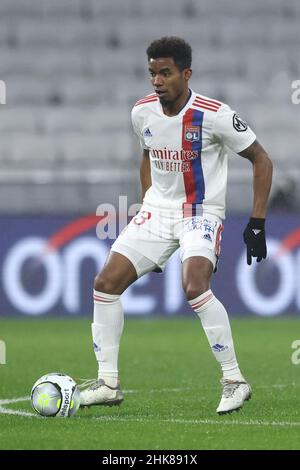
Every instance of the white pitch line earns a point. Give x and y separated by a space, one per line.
8 411
187 389
227 422
220 422
9 401
160 390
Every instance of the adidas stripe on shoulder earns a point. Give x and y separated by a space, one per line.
147 99
202 102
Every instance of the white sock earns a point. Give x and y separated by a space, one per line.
107 330
216 325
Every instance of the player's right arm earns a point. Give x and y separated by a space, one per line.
145 173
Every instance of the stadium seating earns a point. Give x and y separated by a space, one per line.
74 68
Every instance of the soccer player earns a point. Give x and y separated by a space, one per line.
183 173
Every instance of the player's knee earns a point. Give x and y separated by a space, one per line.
192 291
105 285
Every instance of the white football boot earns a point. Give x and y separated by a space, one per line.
99 393
234 395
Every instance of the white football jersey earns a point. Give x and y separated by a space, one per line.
188 152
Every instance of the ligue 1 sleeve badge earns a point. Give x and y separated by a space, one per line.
192 133
239 124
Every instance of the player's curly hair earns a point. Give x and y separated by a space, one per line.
171 46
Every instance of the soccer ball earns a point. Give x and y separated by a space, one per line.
55 394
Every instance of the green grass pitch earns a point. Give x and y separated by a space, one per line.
171 385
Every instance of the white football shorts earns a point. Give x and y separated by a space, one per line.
151 238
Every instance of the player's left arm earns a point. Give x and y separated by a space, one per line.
262 177
254 234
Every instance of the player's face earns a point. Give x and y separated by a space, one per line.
169 82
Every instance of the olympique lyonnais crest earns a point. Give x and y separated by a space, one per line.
192 133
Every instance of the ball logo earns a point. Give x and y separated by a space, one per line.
66 402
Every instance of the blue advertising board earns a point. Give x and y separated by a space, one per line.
48 265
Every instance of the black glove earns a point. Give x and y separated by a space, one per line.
255 239
157 270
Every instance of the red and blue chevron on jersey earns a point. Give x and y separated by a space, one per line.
188 152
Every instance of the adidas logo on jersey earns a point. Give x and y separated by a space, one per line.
147 133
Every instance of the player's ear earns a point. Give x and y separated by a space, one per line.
187 73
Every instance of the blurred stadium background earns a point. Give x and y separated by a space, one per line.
73 70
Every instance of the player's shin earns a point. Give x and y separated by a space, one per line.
107 330
216 325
